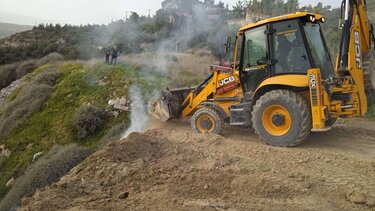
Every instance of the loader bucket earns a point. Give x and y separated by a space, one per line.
168 106
160 110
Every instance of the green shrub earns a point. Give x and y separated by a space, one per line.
30 99
88 120
46 171
7 75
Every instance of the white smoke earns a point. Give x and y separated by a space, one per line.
141 104
194 25
139 115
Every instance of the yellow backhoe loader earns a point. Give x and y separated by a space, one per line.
282 80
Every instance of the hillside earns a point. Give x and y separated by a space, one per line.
63 109
8 29
64 104
171 168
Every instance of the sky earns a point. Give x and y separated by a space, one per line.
32 12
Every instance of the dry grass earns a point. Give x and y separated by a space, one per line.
183 69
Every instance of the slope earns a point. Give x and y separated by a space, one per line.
171 168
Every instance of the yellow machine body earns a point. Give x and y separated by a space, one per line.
342 94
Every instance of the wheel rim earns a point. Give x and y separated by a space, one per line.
276 120
205 123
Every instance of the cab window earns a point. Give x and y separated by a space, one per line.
289 48
255 58
255 47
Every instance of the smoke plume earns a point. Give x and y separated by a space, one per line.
140 106
139 115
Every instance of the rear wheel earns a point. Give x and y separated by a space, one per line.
282 118
207 120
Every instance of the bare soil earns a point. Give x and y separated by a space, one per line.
171 168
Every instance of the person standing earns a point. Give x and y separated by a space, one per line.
107 54
115 53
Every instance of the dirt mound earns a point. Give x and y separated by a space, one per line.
169 168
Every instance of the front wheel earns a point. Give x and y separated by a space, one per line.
282 118
207 120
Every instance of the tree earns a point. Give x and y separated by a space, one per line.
239 10
292 6
221 5
134 17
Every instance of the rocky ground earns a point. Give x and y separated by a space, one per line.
171 168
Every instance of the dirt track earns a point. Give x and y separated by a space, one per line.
170 168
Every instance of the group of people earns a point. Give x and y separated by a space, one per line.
113 53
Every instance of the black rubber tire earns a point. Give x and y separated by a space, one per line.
218 119
300 115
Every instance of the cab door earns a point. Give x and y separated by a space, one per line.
255 57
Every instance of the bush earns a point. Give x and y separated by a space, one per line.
46 171
88 120
50 58
25 68
7 75
12 72
30 99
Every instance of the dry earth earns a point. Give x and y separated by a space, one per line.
170 168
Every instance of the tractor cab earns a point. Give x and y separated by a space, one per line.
285 45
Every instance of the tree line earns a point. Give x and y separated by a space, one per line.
177 25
